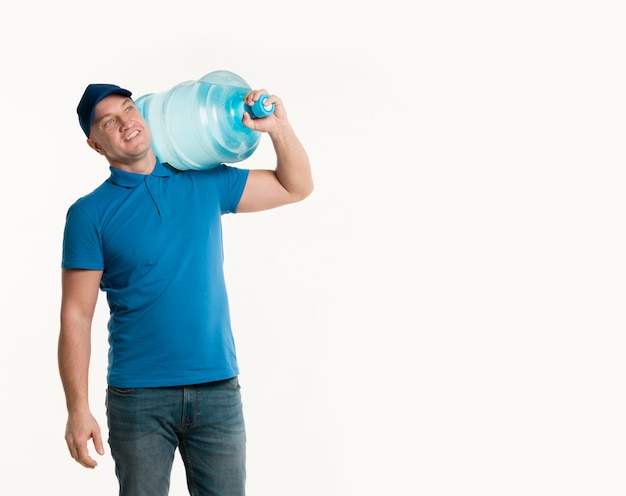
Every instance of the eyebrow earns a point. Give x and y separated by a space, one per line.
124 103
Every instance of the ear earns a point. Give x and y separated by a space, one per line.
94 144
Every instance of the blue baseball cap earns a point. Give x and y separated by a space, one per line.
93 94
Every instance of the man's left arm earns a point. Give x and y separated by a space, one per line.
291 181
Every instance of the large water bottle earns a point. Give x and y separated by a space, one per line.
197 124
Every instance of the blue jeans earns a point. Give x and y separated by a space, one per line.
204 421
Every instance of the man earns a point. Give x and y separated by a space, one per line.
150 238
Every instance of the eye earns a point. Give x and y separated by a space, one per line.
108 123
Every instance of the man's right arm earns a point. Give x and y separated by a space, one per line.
78 302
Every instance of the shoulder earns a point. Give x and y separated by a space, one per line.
95 198
219 173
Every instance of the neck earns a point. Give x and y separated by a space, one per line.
144 165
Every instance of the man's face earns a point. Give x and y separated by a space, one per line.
119 131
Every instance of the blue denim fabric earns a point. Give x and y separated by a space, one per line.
205 422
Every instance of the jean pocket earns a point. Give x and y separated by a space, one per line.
121 391
232 383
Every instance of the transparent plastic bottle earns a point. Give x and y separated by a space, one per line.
197 124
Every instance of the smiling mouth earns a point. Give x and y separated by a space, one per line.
132 135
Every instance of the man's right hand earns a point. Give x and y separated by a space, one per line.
79 430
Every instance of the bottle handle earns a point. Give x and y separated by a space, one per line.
259 109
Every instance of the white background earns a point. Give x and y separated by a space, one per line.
443 316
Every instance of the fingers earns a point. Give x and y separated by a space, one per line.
97 442
80 429
253 95
80 453
248 121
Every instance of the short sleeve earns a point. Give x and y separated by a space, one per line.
234 182
82 247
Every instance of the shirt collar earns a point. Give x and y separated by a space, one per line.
132 179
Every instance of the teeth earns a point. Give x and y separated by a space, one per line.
132 135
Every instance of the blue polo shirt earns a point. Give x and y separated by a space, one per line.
158 240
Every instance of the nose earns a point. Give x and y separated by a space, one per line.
125 121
